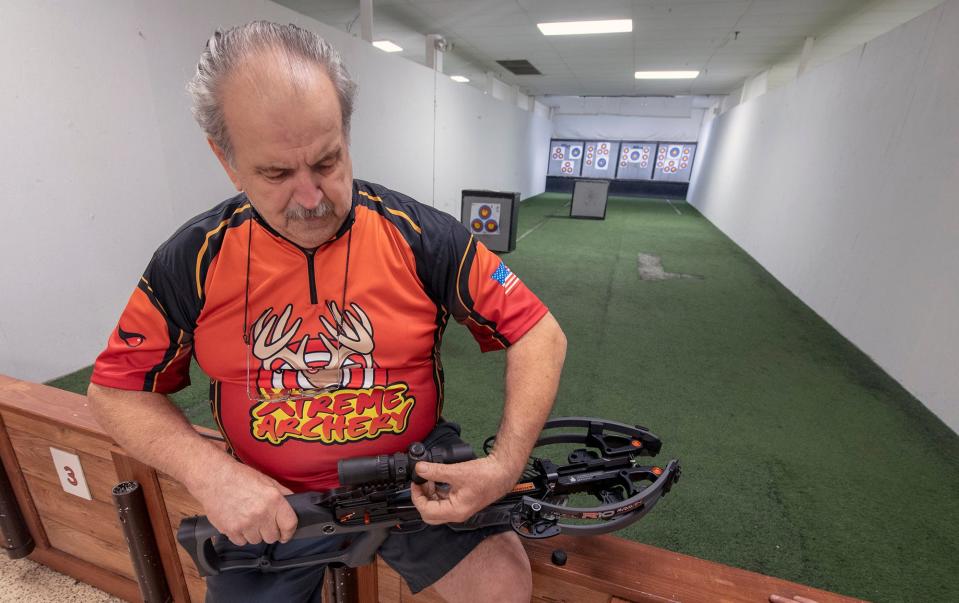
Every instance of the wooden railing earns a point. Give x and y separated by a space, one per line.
83 538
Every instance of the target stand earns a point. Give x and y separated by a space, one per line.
490 216
589 199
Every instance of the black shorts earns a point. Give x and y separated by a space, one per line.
421 557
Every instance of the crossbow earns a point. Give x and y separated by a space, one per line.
375 500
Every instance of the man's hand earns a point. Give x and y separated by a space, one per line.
240 501
473 485
245 505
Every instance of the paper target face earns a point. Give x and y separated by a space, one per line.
643 164
602 163
603 150
567 167
635 155
622 164
575 152
558 153
674 151
484 218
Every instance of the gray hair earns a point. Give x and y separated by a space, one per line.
225 50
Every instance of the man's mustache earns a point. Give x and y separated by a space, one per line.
297 212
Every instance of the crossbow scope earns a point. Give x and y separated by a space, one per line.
399 467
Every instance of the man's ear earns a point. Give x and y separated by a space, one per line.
230 172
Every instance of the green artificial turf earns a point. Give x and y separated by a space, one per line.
801 458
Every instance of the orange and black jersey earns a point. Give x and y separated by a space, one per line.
355 323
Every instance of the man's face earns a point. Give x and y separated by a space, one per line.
290 154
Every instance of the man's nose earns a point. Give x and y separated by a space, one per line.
306 189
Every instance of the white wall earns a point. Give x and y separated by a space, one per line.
101 159
843 184
628 118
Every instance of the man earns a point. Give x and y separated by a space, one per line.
316 304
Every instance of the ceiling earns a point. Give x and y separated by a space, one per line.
726 40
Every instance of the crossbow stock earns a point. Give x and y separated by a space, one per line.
376 500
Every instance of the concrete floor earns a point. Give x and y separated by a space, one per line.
24 581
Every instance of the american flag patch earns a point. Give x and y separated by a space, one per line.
505 277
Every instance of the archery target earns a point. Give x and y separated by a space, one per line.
485 218
558 153
602 156
567 167
575 152
635 155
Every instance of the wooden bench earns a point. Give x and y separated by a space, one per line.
83 538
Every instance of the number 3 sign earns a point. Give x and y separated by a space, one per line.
70 471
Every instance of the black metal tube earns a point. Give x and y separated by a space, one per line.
346 587
132 509
17 541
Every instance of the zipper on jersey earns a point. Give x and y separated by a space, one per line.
312 274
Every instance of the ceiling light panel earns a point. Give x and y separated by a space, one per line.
575 28
387 46
666 75
459 78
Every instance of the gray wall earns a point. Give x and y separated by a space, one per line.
843 184
101 160
675 119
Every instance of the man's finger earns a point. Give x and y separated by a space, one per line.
270 533
438 472
286 521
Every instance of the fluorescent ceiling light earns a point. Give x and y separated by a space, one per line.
666 75
387 46
459 78
571 28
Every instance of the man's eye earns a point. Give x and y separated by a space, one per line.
275 174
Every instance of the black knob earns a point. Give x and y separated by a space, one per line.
417 449
558 557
